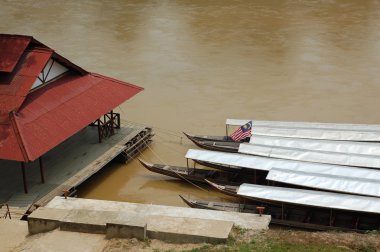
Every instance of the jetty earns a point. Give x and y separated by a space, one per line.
58 126
133 220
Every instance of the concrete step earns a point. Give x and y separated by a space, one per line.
128 220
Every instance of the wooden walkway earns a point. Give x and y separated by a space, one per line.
67 166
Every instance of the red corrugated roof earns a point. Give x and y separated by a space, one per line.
15 86
11 49
33 123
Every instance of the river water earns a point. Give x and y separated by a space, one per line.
201 62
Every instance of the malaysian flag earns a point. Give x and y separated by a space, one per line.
242 132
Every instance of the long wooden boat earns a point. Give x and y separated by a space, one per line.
274 211
358 218
230 190
327 177
310 130
215 145
211 138
198 175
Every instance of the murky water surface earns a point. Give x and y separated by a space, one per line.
201 62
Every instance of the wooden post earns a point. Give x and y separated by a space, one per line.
330 216
24 177
112 124
99 131
282 210
226 131
42 171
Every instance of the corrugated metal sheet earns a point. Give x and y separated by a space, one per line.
344 184
16 86
311 198
13 90
306 125
309 130
319 145
56 112
48 116
325 157
11 49
266 164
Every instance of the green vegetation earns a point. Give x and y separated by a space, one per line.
288 241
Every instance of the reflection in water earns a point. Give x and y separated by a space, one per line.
201 62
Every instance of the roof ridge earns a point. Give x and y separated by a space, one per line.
18 135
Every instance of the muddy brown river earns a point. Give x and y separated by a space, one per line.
201 62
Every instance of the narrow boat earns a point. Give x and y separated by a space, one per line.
210 138
311 130
344 179
198 175
274 211
220 206
230 190
310 208
215 145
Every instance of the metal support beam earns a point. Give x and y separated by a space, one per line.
24 177
42 171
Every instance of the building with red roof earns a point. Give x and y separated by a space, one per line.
45 99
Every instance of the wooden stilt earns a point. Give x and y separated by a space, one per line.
112 124
42 171
24 177
99 131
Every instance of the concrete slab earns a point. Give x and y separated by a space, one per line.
133 228
188 230
244 220
45 219
173 224
87 221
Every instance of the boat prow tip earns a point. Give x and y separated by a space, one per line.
143 162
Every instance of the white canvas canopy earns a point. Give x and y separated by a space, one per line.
306 125
264 163
369 161
311 198
319 145
343 184
308 130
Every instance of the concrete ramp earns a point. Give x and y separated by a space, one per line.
128 220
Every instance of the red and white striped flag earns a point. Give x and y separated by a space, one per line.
242 132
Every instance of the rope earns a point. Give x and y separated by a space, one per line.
157 156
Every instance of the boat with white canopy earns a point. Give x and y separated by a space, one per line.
311 198
348 147
310 130
343 179
357 160
239 161
310 208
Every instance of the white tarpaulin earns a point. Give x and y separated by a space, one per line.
311 198
319 145
311 156
346 132
264 163
306 125
344 184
